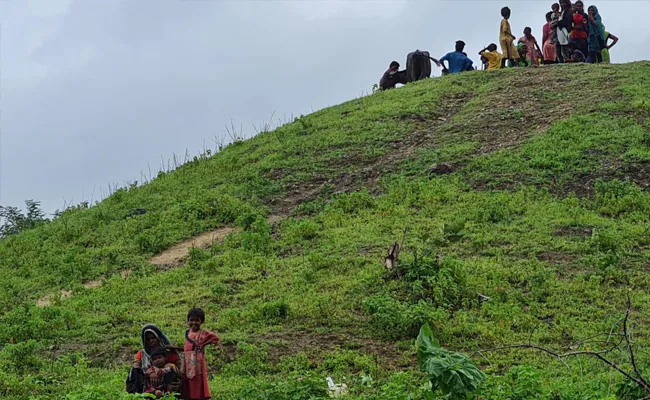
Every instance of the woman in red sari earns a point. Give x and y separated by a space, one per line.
195 377
548 47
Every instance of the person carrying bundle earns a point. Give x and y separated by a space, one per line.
392 77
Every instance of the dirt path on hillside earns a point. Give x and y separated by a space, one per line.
174 257
48 299
355 172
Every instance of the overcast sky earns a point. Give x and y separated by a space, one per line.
94 91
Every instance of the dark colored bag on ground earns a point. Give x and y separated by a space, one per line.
135 382
418 65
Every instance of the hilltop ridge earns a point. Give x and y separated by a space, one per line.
527 186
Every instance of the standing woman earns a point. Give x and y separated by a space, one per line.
548 47
608 36
534 51
507 40
596 36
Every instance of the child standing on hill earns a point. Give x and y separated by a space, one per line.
555 17
195 378
507 40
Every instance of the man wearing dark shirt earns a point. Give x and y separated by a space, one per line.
566 24
458 62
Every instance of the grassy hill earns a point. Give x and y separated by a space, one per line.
525 186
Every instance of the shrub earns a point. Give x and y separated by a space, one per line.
451 373
22 357
353 202
274 311
393 319
615 198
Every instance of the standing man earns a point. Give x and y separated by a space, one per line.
458 62
580 30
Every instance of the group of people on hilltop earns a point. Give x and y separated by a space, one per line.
569 36
159 369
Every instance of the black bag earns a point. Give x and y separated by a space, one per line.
418 65
135 381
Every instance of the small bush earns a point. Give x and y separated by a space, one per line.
393 319
615 198
22 357
274 311
353 202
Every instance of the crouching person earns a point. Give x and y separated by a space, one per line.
392 77
152 340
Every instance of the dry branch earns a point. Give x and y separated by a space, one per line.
635 376
393 253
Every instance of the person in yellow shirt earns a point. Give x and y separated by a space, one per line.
507 40
493 56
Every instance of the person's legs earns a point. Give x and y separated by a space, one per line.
595 57
566 52
558 53
172 381
591 59
504 50
581 44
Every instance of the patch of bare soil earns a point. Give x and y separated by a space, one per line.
583 186
520 109
556 258
357 172
282 344
579 231
639 174
48 299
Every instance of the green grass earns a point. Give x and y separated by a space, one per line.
545 212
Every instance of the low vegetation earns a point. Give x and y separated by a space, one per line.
521 197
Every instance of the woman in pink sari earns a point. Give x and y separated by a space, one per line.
531 43
548 46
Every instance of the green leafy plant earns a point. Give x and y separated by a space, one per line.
450 372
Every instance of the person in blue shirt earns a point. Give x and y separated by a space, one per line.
458 62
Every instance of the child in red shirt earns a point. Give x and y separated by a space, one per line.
195 378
